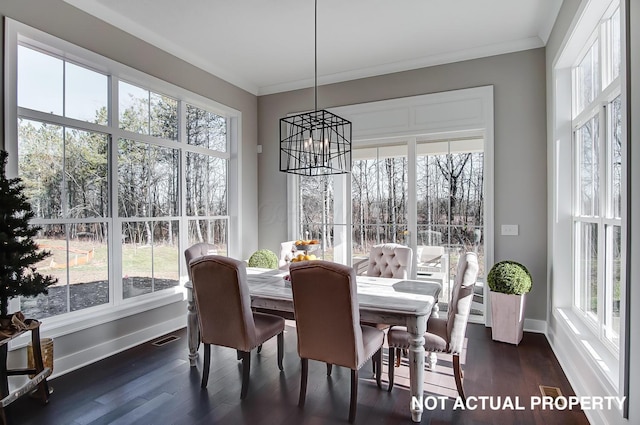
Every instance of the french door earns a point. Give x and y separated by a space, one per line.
428 195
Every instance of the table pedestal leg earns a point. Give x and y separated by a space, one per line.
193 337
417 326
432 358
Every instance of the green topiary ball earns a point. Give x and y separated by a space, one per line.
509 277
264 258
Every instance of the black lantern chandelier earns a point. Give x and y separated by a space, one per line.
315 143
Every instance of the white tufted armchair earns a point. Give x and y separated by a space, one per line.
390 260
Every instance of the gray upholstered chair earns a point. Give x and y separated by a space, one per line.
444 334
224 313
198 250
328 323
390 260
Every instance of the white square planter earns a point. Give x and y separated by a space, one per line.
507 317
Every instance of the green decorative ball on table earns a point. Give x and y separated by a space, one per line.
264 258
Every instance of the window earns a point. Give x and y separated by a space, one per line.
118 185
379 187
597 180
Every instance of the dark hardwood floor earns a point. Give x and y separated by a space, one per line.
155 385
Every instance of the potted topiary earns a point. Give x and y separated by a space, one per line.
509 282
264 258
18 251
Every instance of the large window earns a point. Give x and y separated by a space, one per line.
122 170
597 180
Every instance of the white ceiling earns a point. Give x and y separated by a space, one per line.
267 46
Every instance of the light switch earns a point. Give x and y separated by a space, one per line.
510 230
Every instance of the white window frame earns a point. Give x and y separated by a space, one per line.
610 88
576 341
17 33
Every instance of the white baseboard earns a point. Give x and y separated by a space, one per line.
78 359
536 326
568 365
581 372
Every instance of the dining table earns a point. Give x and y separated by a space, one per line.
390 301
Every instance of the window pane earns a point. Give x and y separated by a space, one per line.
52 238
587 266
166 255
86 173
150 257
588 177
147 180
39 81
81 266
206 189
88 265
615 43
616 157
133 179
40 165
163 181
206 129
379 185
214 232
134 108
137 259
317 201
613 276
433 189
164 117
85 94
588 78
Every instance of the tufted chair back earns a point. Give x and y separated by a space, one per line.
390 260
196 251
461 298
222 297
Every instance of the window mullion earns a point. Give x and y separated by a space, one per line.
115 248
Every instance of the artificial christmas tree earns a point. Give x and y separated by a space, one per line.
18 251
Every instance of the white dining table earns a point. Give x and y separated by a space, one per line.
382 300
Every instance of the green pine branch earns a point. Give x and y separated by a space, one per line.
18 251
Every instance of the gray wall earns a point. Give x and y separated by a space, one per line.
66 22
520 147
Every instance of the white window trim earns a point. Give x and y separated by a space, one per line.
582 334
16 32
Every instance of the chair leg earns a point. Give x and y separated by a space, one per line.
303 381
259 348
280 350
399 354
354 396
329 369
246 369
239 354
207 363
392 352
458 375
377 360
